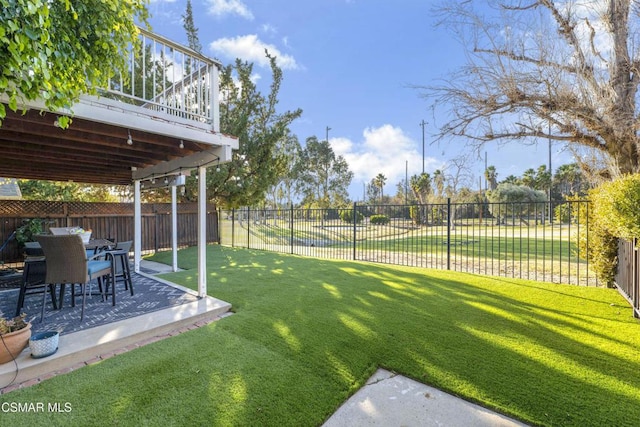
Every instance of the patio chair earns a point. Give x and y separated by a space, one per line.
33 282
122 272
67 263
33 249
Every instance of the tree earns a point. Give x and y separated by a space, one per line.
56 51
515 200
511 179
568 180
66 191
543 178
529 178
373 192
421 187
190 28
379 181
324 177
252 117
579 87
290 150
491 176
439 183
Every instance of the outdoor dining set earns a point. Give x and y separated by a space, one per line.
59 259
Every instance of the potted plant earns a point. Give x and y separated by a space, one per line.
14 337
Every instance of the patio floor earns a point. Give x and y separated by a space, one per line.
149 295
156 308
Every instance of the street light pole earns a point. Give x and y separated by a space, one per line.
423 123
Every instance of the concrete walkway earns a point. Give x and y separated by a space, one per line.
393 400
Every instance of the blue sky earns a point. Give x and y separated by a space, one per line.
350 65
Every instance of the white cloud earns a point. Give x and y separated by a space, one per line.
268 29
251 48
385 150
229 7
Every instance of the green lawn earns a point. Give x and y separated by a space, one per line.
504 242
307 333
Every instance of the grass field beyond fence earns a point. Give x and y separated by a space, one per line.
307 333
522 242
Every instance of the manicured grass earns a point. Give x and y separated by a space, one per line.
307 333
499 247
504 242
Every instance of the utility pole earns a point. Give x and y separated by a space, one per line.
550 177
423 123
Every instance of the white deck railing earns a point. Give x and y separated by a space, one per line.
172 79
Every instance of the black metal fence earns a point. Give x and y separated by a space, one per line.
499 239
628 276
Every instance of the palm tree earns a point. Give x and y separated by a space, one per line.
492 177
438 181
379 182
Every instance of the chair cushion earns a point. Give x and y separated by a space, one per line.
94 267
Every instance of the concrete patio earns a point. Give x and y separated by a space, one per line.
107 330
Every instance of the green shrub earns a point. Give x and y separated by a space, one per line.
616 205
613 214
379 219
28 231
346 215
598 244
562 213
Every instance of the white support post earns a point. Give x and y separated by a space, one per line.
174 227
202 231
137 226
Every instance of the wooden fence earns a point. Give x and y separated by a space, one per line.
628 276
106 220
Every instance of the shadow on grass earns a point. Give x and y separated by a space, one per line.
548 354
307 333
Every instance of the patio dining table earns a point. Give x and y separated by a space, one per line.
96 244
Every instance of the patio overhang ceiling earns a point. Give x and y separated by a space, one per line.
97 152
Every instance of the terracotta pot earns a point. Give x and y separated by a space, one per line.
13 343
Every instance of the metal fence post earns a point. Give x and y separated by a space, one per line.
291 224
355 216
449 233
248 227
635 256
233 227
